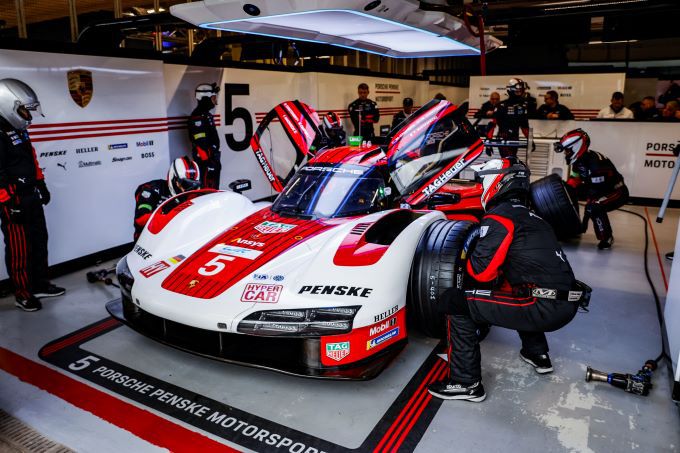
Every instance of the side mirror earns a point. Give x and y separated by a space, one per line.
442 198
240 185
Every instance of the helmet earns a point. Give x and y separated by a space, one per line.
206 90
516 84
331 121
17 101
183 176
574 144
500 177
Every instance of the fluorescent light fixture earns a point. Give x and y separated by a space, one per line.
393 28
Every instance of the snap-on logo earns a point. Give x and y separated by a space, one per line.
356 291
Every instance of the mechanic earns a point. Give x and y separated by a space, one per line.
513 113
23 192
364 113
333 130
645 110
205 141
552 109
529 284
407 110
183 175
616 110
488 109
597 178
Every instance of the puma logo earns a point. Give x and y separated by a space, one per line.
560 255
62 166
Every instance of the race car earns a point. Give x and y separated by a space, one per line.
319 282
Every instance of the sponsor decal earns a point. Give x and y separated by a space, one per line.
241 252
148 155
260 277
53 153
193 283
356 291
443 178
337 351
121 159
261 292
574 296
268 227
90 149
386 314
89 163
544 293
118 146
263 277
278 278
483 230
176 259
248 242
382 327
62 165
143 143
155 268
141 252
335 170
259 155
80 86
370 344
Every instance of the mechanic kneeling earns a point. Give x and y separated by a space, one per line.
529 284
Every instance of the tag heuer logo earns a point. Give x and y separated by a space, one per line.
337 351
273 227
80 86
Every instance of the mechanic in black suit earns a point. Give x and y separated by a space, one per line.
512 114
552 109
205 141
364 113
407 110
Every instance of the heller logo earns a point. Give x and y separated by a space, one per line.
143 143
121 159
118 146
90 163
260 292
386 314
53 153
337 351
267 227
91 149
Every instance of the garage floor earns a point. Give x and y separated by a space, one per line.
70 375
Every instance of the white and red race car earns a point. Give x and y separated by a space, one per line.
318 283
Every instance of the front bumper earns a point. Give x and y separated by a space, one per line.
295 356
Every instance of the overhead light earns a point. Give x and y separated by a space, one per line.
393 28
613 42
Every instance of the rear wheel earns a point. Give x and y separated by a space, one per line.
552 202
438 265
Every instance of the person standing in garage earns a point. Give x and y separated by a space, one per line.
364 113
407 110
488 109
552 109
205 142
23 192
512 114
598 178
528 283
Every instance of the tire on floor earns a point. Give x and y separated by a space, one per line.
551 200
438 265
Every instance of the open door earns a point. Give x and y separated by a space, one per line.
428 149
300 124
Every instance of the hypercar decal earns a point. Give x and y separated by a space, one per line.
207 273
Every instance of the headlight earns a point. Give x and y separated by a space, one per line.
310 322
125 278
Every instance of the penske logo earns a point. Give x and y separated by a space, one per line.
355 291
444 178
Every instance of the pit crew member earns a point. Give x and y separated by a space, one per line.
513 113
527 278
596 177
205 142
407 110
364 113
335 133
183 175
23 192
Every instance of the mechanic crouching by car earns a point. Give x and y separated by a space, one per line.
183 175
527 282
596 176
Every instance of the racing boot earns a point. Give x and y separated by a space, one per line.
50 290
31 303
605 244
453 390
540 362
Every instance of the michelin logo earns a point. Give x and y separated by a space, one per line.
370 344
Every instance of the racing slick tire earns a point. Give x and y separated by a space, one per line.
438 265
551 199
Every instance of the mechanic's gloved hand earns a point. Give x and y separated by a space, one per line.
45 196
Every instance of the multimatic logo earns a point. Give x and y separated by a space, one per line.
118 145
53 153
356 291
143 143
90 163
90 149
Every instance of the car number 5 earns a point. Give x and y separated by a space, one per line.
215 265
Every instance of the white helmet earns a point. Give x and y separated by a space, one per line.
183 176
515 84
17 101
206 90
501 176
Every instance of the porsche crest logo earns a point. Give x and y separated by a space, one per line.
193 283
80 86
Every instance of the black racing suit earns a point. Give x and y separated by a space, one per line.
516 254
595 176
205 143
22 195
512 115
398 118
487 110
364 114
148 197
562 111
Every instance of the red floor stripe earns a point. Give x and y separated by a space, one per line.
142 423
656 246
82 335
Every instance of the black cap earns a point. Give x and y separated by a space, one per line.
408 102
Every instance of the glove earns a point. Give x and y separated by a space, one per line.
45 196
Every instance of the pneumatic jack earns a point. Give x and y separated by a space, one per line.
101 275
638 384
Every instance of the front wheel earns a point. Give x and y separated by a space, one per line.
551 200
